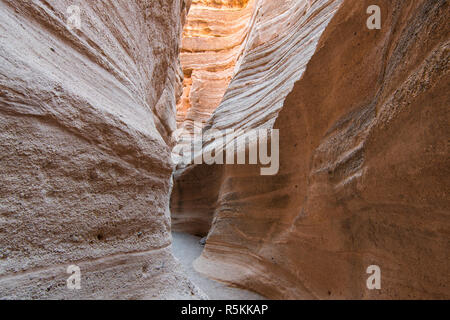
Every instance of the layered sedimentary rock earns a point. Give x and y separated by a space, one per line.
364 165
213 38
282 39
85 167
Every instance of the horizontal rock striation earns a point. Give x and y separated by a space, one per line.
364 165
213 38
85 171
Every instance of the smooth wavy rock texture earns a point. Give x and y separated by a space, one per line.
282 39
213 38
364 159
85 170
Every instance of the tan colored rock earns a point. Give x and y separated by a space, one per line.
282 39
364 165
213 38
84 165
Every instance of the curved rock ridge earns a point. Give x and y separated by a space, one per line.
213 39
283 36
364 167
85 170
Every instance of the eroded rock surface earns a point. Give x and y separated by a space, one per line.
213 39
282 39
85 170
364 160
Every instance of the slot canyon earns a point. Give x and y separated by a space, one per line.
91 117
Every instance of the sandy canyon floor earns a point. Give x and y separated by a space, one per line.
186 249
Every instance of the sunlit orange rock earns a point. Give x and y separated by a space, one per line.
213 39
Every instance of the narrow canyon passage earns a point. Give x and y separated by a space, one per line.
97 119
186 248
359 115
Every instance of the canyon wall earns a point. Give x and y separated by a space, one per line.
364 164
282 38
213 39
85 170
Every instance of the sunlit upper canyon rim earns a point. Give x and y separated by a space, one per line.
213 39
94 96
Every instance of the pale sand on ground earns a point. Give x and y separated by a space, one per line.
186 249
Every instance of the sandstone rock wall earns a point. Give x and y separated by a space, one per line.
213 38
85 169
282 39
364 165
